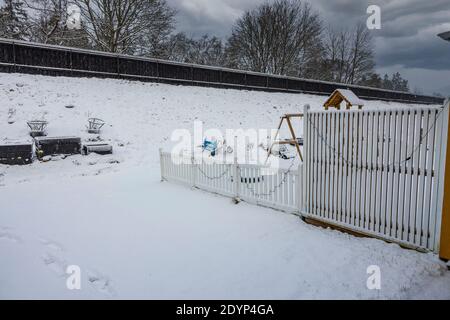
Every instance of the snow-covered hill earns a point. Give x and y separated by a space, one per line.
140 117
134 237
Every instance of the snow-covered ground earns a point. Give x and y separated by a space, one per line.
135 237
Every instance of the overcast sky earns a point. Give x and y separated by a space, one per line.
407 41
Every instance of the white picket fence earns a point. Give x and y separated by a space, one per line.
278 189
377 172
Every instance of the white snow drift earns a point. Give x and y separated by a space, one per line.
135 237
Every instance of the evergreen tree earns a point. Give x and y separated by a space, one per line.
398 83
387 84
372 80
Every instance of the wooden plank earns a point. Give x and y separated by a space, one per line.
392 144
319 165
370 121
315 191
308 169
291 129
340 166
291 195
380 219
421 180
414 178
408 180
385 226
429 215
365 172
345 142
305 167
332 202
437 203
402 172
294 115
358 171
323 160
275 138
327 154
374 171
350 155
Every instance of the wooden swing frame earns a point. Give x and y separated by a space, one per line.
294 141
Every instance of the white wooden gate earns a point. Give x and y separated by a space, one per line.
376 172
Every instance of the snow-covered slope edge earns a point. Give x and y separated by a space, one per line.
140 117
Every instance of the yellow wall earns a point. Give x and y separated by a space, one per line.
444 252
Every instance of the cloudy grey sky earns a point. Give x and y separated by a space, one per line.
406 43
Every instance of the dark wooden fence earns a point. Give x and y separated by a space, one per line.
27 57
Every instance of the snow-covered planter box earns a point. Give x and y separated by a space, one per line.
102 149
16 154
57 145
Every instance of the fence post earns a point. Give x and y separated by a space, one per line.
305 169
299 189
193 171
444 245
118 65
161 163
71 61
157 71
236 177
14 56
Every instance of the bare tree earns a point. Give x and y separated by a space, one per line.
14 22
127 26
47 18
275 38
348 55
48 22
178 47
362 61
205 50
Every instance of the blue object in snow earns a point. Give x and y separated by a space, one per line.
210 146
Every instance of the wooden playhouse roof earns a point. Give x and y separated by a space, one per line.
344 94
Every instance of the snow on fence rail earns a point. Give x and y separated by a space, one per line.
280 189
377 172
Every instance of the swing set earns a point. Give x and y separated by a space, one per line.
294 141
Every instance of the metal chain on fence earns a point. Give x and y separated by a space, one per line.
275 189
350 162
252 190
220 176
